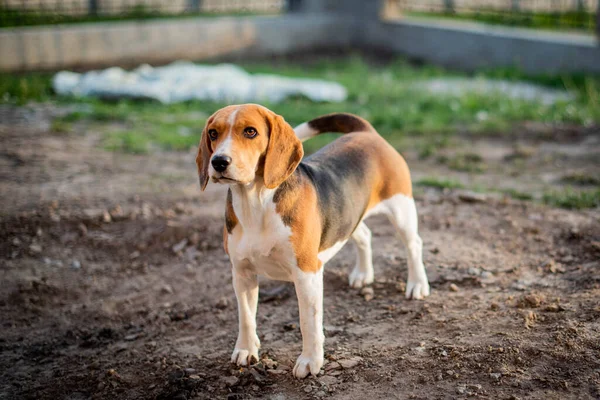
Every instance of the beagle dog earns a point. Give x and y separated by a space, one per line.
286 216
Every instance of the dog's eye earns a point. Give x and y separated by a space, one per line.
212 134
250 132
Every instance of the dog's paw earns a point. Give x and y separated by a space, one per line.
417 289
245 354
358 278
244 357
307 365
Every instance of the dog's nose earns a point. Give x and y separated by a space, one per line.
220 163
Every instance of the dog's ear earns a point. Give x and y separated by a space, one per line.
284 151
204 155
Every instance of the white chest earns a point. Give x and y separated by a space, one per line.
261 242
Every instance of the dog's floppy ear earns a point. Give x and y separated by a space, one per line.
204 155
284 152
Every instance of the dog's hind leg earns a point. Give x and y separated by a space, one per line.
402 212
362 274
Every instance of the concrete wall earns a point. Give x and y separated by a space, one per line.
470 46
194 38
318 25
356 9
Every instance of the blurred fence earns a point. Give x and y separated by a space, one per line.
553 14
311 25
567 14
35 12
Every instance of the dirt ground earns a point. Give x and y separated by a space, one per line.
115 285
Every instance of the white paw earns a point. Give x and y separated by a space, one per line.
244 354
417 289
306 365
358 278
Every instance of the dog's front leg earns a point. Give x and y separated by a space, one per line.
309 289
245 285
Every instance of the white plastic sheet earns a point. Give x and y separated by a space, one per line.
182 81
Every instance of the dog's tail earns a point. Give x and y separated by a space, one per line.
335 123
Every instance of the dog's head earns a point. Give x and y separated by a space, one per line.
243 143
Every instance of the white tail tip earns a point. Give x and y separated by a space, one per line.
304 131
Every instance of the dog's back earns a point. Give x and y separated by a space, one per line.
361 160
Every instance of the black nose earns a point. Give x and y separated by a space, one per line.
220 163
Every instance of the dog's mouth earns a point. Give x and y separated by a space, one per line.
224 179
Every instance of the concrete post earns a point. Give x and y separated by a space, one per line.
363 9
93 7
294 5
598 23
194 6
357 8
308 6
449 6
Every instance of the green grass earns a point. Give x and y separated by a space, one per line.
517 194
571 199
465 162
59 127
127 141
382 93
431 144
161 137
22 88
567 198
440 183
575 20
581 179
14 17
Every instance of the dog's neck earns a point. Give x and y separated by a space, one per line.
251 203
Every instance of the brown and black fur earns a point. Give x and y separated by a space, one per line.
347 177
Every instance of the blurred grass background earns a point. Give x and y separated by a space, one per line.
382 92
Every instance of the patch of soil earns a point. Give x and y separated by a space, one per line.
115 285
